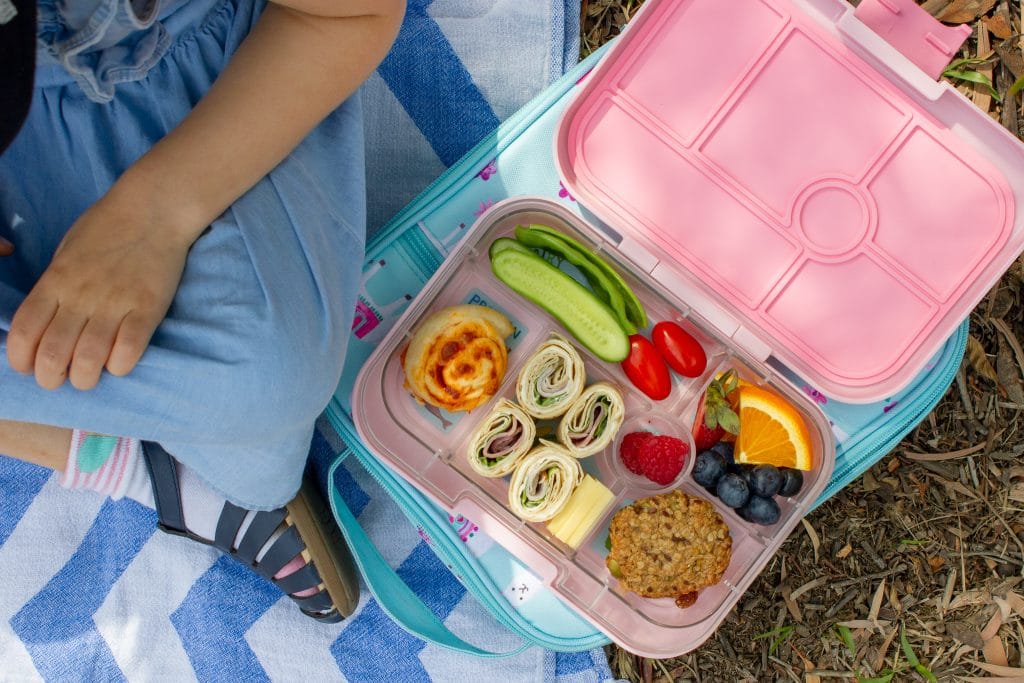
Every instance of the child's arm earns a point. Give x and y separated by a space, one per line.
114 275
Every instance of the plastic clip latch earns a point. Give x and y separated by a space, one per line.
909 28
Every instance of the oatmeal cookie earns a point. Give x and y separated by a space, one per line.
669 546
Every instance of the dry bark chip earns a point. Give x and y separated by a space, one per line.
965 11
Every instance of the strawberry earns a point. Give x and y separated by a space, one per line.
632 445
662 458
715 416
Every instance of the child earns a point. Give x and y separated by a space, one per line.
185 204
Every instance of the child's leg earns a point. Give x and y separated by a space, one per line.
116 466
35 443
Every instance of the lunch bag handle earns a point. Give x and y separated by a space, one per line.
392 594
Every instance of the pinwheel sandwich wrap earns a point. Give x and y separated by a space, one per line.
592 420
501 440
543 482
551 379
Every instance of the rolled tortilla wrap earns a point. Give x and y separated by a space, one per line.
543 482
592 420
501 440
551 379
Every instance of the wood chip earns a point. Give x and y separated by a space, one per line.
876 602
999 26
844 551
947 594
961 489
1016 602
990 630
966 634
1009 376
978 359
815 541
794 609
1005 611
884 650
971 598
1010 57
994 652
809 586
1016 493
952 455
982 94
876 625
965 11
1003 671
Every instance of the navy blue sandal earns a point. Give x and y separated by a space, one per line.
329 567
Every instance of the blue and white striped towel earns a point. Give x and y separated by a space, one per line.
91 592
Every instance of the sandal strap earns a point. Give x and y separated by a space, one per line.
333 616
166 492
260 530
301 580
318 602
285 547
228 524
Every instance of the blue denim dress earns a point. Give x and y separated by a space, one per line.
252 347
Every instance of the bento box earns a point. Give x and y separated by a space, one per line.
766 189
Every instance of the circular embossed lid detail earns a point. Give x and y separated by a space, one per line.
834 217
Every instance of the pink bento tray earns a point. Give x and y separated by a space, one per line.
770 186
416 444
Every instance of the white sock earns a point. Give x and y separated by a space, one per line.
113 466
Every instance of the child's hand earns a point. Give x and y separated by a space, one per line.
107 288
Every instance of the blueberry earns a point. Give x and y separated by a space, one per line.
792 481
760 510
726 450
708 468
742 470
733 490
765 480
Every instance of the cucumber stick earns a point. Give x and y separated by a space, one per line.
605 289
634 309
583 315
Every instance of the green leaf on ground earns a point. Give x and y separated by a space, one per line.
846 635
973 77
912 658
779 634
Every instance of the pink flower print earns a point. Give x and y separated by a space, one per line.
483 208
487 171
564 193
465 528
889 407
818 397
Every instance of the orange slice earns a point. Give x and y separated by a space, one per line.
772 432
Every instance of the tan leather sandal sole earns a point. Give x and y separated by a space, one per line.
326 547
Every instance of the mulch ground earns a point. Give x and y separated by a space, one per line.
914 570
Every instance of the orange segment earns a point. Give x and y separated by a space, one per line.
772 432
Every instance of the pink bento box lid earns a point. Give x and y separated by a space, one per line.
798 180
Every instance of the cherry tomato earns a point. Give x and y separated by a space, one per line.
646 369
681 351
